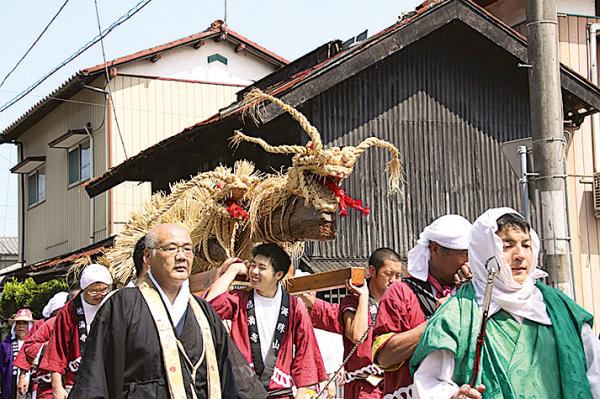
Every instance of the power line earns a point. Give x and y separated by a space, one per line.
34 43
112 103
89 44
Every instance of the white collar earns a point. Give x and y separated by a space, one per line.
276 297
177 309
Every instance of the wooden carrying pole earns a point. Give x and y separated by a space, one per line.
199 282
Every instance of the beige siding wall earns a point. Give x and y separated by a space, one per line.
61 223
585 228
148 111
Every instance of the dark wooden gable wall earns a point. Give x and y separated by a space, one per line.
447 102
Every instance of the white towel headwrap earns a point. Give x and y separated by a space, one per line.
94 273
56 302
450 231
522 300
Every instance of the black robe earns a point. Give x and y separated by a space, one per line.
123 357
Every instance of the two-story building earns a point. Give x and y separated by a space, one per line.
103 115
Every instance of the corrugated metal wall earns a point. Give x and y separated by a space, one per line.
447 109
61 223
148 111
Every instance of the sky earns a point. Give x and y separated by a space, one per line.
289 28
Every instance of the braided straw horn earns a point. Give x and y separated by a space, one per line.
256 96
238 137
179 190
394 167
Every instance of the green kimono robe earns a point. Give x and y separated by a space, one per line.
519 360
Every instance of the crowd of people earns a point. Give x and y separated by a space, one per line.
434 326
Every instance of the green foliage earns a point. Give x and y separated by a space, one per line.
28 294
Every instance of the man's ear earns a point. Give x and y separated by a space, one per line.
146 256
279 275
372 271
434 248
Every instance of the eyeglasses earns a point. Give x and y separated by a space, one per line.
98 292
174 249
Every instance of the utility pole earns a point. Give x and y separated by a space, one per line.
549 143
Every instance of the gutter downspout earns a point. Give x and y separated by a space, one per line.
593 76
21 181
92 203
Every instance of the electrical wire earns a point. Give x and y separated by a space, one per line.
139 6
110 96
34 43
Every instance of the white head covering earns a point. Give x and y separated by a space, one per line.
522 300
94 273
450 231
55 303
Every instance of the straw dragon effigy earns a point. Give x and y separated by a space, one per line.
228 210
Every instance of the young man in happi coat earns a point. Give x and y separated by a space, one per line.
357 312
271 327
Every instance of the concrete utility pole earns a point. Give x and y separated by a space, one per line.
549 144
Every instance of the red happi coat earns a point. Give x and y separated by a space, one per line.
31 347
299 362
399 311
361 362
63 353
325 316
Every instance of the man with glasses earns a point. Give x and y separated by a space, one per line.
72 327
437 266
157 340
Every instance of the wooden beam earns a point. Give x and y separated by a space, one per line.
199 282
327 280
198 44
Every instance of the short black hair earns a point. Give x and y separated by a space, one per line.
513 220
380 255
138 255
280 260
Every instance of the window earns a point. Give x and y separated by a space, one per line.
79 163
36 187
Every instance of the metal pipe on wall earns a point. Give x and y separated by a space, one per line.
524 183
92 203
593 77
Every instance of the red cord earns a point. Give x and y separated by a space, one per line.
345 200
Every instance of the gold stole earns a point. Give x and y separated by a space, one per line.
169 344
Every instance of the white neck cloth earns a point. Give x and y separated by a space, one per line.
450 231
521 300
176 309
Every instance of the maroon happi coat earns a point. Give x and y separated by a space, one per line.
31 347
326 316
361 362
63 353
299 362
399 311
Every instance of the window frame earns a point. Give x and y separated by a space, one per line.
79 148
38 199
